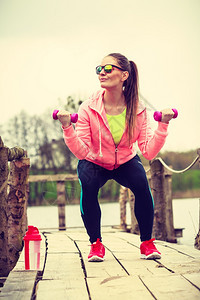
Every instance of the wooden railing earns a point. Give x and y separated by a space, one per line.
14 190
60 179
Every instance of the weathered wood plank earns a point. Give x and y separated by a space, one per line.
136 266
62 257
194 278
57 177
177 258
67 288
187 250
59 242
78 235
118 288
122 253
110 272
62 265
19 285
109 268
129 257
20 282
148 278
63 270
171 287
123 275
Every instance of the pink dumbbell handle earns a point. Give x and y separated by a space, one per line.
158 115
74 117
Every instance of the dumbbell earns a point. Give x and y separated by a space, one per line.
158 115
74 117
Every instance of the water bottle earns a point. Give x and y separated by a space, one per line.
32 240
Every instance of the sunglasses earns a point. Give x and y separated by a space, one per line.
107 68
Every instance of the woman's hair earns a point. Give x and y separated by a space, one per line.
130 88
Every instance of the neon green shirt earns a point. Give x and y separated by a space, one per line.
117 125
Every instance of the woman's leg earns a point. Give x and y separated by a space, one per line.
133 176
92 177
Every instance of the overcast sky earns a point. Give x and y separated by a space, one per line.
49 49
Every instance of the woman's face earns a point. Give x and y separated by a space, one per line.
115 78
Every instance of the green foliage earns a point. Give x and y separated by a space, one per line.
189 180
73 191
179 160
110 191
45 193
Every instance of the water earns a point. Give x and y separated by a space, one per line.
186 215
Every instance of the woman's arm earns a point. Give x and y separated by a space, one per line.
149 142
79 140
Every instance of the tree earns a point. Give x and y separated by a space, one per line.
42 138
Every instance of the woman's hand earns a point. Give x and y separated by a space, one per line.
64 117
167 115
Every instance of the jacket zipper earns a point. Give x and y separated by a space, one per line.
116 150
116 146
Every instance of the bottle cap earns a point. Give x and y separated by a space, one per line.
32 234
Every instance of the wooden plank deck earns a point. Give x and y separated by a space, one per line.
123 275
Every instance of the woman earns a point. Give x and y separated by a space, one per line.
109 124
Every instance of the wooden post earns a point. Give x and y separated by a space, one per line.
199 214
158 191
134 223
17 204
163 228
198 153
12 213
61 204
4 268
197 238
122 202
169 209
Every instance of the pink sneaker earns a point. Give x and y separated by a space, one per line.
148 250
97 251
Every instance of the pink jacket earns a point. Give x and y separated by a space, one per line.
92 140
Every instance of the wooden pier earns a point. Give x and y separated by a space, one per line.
66 274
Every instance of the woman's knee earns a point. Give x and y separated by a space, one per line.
86 172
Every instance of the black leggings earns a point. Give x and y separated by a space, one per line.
131 175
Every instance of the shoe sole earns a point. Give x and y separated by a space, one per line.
154 255
96 258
